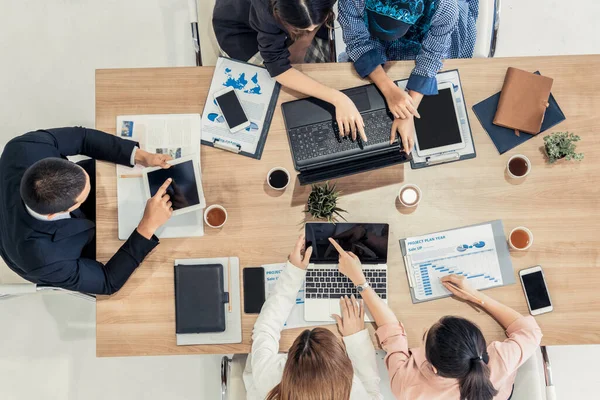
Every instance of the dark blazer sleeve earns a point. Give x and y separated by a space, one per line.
90 276
88 142
271 39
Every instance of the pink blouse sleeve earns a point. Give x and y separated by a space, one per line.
524 337
394 342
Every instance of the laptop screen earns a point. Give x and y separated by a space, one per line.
368 241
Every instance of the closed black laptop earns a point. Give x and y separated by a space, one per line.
199 299
317 149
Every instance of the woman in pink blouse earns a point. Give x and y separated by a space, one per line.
454 362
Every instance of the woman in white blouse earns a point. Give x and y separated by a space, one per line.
318 365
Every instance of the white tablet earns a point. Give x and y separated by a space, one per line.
438 129
185 190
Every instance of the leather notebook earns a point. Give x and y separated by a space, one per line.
505 139
199 299
523 101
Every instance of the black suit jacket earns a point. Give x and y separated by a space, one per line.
50 252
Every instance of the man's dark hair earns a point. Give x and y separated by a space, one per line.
52 185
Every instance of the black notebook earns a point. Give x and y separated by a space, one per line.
199 299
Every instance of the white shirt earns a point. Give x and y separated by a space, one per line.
65 215
265 364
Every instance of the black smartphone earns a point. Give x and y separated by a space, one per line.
254 289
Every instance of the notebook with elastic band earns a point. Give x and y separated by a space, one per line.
199 299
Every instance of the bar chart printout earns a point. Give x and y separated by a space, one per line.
469 252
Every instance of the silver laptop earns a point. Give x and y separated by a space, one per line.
325 285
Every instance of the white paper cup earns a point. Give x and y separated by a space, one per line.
211 208
521 156
406 200
526 230
278 169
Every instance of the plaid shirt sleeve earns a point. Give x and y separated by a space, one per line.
366 52
435 47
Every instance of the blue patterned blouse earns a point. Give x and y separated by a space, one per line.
438 29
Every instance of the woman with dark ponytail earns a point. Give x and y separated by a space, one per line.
455 361
279 33
456 348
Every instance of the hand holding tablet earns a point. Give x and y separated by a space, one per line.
185 187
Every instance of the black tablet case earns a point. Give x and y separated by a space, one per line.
199 299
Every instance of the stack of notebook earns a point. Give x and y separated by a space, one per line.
508 128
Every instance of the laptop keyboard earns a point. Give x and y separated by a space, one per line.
323 139
331 284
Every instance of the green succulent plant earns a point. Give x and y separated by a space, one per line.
322 203
562 145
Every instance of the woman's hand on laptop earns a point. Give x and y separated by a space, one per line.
406 129
353 316
300 257
349 264
348 118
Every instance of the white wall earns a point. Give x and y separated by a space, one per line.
49 51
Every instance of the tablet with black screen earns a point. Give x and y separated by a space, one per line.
185 190
438 129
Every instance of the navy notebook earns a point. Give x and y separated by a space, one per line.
505 138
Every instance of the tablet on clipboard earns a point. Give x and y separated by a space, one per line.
185 191
438 129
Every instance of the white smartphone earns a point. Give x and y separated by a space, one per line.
232 109
438 130
536 290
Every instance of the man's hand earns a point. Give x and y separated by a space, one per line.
300 257
158 211
353 316
152 160
349 264
406 129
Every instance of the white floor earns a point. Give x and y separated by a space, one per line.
50 50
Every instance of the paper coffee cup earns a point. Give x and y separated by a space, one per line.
410 195
527 232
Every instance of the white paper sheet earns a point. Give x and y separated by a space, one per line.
296 318
465 130
254 87
174 134
470 252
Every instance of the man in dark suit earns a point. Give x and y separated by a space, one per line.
44 235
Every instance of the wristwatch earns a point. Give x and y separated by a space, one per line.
363 287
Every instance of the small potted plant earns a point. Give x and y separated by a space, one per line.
559 145
322 203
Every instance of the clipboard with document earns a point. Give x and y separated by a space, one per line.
446 153
478 252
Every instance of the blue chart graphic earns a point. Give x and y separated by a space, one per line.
240 82
478 270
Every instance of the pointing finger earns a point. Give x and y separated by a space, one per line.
337 246
163 189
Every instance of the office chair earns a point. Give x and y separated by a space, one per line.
232 384
488 23
20 289
193 11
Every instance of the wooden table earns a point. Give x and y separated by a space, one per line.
559 203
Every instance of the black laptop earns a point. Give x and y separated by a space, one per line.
318 151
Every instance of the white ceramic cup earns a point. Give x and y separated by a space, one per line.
278 169
526 230
410 198
213 207
521 156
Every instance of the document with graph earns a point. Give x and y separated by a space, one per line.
471 252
